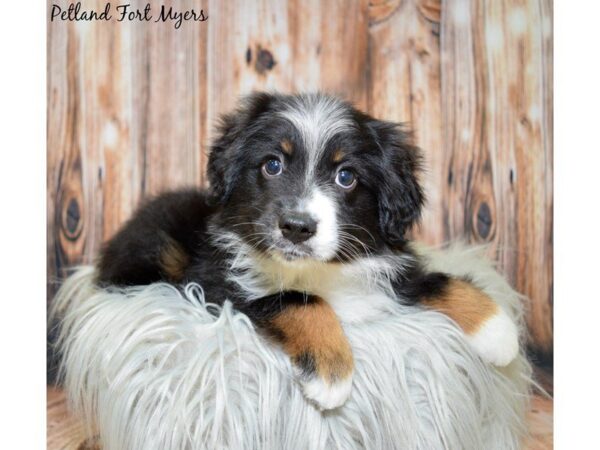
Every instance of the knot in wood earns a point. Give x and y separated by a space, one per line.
264 61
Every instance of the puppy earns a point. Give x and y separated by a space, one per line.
304 229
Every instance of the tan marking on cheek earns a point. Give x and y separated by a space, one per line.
467 305
338 155
287 147
174 260
315 329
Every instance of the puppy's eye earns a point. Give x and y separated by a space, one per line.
272 168
346 179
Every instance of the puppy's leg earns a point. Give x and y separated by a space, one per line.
311 334
489 329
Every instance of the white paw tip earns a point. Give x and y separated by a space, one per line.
497 341
325 395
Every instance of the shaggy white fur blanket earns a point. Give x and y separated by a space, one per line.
151 368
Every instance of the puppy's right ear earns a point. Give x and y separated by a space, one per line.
227 148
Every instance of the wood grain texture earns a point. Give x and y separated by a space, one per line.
63 430
131 109
404 86
497 113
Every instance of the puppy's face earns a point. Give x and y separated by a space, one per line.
309 177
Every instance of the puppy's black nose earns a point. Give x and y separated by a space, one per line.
297 227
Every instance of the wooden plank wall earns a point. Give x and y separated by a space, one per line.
131 108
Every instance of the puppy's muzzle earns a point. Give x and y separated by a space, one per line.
297 227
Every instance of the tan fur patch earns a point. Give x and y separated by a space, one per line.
337 156
174 260
315 329
287 147
467 305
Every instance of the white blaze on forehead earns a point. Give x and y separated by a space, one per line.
322 208
318 118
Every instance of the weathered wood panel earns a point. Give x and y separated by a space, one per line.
63 430
404 86
131 107
497 112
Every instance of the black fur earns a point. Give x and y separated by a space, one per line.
132 256
307 364
400 196
417 284
227 158
265 308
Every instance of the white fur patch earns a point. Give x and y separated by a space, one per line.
318 118
358 291
497 341
323 209
327 396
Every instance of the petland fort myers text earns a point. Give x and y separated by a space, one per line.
125 12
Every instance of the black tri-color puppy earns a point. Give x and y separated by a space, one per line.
304 229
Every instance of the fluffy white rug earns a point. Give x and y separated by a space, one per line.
150 368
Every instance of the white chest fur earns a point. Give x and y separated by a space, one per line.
357 291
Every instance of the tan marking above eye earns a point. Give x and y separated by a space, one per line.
338 155
287 147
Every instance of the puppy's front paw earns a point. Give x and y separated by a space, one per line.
327 394
489 330
496 340
326 381
313 337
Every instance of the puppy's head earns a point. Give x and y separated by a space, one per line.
310 177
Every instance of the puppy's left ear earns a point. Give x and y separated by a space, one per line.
400 195
228 146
